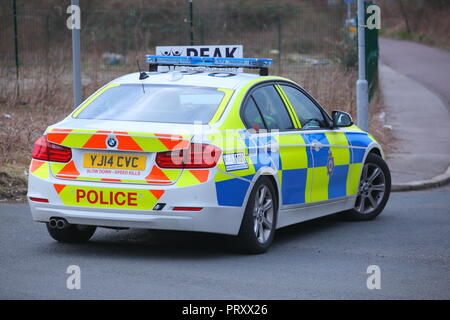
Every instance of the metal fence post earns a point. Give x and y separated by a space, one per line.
362 97
280 43
16 47
191 21
76 63
349 10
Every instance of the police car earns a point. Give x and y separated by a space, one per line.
199 150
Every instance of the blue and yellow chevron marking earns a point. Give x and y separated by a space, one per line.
359 140
293 175
303 173
231 192
325 185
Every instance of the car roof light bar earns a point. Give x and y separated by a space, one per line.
250 63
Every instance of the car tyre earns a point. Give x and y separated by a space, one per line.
373 190
72 233
260 218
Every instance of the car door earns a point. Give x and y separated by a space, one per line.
329 168
276 126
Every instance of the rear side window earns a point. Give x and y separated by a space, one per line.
155 103
252 117
272 108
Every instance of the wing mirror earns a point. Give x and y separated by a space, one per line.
341 119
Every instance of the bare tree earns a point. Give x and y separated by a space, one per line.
404 13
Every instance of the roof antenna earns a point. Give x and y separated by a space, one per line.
142 75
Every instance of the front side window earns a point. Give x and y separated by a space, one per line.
155 103
307 112
272 108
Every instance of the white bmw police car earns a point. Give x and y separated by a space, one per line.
196 150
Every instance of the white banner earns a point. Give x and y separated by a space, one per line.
222 51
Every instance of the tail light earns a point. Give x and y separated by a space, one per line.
47 151
197 156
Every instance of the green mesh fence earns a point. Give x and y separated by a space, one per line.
296 37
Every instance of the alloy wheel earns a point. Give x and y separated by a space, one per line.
371 189
263 212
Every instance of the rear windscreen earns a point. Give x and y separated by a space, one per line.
154 103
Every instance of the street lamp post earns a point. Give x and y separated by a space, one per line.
362 96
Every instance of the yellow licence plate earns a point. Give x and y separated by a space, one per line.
114 161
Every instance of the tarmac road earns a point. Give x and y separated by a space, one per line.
415 81
424 64
321 259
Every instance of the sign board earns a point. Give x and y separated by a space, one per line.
220 51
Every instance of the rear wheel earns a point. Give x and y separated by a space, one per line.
259 222
373 191
72 233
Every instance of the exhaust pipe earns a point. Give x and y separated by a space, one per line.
52 223
61 224
58 223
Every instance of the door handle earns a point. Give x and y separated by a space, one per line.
316 145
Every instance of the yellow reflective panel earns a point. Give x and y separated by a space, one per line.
76 140
95 96
289 107
341 155
109 197
220 176
372 137
292 154
40 169
280 177
222 105
233 120
187 179
56 167
354 172
153 143
319 184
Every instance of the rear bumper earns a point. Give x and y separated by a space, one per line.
215 220
212 218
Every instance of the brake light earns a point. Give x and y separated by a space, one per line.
198 155
47 151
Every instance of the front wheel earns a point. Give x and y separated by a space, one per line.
259 222
373 190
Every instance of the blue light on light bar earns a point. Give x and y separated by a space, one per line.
209 62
